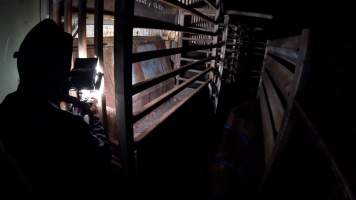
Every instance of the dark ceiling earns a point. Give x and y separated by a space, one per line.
260 6
288 15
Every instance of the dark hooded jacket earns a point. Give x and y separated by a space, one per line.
56 151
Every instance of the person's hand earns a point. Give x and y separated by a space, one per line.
93 108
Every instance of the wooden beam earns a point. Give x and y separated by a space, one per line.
98 30
286 54
140 86
280 75
163 98
249 14
123 31
137 57
68 16
82 38
98 41
289 114
268 133
288 43
189 59
274 101
56 11
302 66
172 110
288 65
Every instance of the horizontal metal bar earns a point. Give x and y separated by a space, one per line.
202 29
163 98
189 59
140 86
140 136
189 9
144 22
209 13
197 39
249 14
203 51
185 79
195 71
137 57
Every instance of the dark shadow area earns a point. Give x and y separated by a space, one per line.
53 151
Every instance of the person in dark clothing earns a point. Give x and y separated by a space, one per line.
56 151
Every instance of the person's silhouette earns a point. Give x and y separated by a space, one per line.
56 150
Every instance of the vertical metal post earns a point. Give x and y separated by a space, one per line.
214 62
82 38
68 16
123 31
98 41
223 51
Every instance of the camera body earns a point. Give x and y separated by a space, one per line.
83 74
84 80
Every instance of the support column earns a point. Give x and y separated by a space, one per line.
82 38
123 30
68 16
99 45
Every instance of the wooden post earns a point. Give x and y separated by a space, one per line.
56 11
123 31
289 115
98 29
68 16
82 38
98 41
265 55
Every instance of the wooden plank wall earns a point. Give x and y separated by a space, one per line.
297 159
276 85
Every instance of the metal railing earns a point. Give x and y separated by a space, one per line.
203 27
198 27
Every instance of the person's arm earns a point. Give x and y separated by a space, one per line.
95 125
